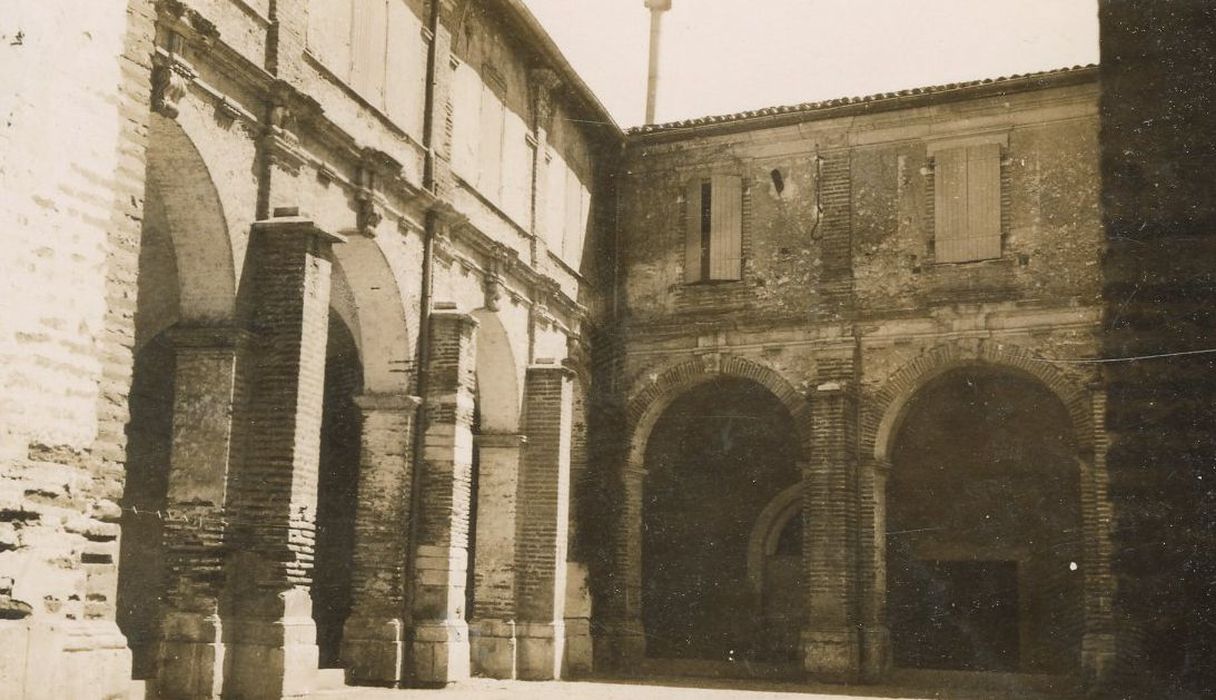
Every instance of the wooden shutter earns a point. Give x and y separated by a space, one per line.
489 160
726 228
369 45
555 203
517 170
983 202
466 111
950 205
329 28
692 232
405 79
574 211
584 220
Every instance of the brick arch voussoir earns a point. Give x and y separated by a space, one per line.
917 372
652 395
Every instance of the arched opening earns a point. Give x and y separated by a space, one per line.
717 456
186 275
497 450
984 537
337 490
776 573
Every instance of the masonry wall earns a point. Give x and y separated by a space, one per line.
73 190
1159 213
219 114
841 292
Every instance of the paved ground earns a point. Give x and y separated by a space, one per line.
495 690
675 689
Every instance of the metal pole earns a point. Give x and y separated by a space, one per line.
657 8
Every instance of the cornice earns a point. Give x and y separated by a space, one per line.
293 118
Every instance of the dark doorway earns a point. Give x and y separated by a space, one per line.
960 615
716 457
984 538
337 491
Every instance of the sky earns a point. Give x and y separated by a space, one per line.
725 56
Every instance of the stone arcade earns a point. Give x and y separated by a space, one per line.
364 347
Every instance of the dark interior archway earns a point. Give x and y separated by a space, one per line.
716 458
984 536
337 490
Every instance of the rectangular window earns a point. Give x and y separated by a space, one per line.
713 239
369 41
490 145
568 210
329 28
405 87
377 48
517 170
578 201
555 203
967 203
466 118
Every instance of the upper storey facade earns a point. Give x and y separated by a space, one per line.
388 110
871 208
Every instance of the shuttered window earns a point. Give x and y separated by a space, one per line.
555 203
578 203
726 228
567 211
377 48
369 46
329 30
517 170
405 80
490 145
466 119
713 236
967 203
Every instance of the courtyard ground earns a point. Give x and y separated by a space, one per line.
685 689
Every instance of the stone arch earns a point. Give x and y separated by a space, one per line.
883 413
186 279
185 209
768 528
885 410
499 391
375 314
652 395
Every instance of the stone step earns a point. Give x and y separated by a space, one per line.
138 691
330 679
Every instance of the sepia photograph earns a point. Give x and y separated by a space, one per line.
607 349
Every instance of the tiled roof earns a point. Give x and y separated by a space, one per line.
1039 79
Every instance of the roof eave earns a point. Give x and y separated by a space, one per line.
843 107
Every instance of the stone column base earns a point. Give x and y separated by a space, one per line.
440 652
373 651
493 647
831 655
620 647
54 659
875 652
541 645
580 652
1098 655
272 658
190 656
